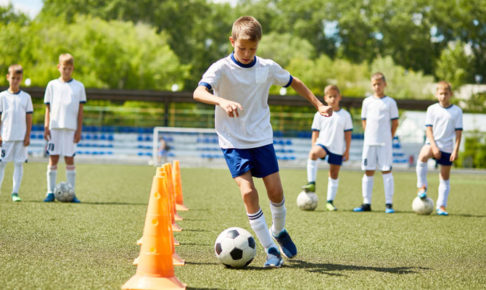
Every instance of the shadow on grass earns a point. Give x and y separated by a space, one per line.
326 268
87 202
248 268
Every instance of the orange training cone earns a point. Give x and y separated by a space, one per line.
178 186
155 269
168 171
161 171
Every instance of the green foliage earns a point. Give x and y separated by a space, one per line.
9 15
284 47
454 65
474 155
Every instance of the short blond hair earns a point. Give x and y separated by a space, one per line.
15 69
444 84
66 58
378 76
329 88
248 28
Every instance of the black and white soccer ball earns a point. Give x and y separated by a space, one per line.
307 200
235 247
64 192
421 206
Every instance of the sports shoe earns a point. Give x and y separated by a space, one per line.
16 197
274 259
286 244
309 187
75 200
50 197
363 207
389 208
422 193
441 212
330 206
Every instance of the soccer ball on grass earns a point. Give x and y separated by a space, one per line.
235 248
307 200
423 206
64 192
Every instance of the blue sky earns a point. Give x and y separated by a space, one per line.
29 7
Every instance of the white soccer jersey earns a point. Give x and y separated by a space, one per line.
378 113
331 130
444 122
14 108
64 99
249 86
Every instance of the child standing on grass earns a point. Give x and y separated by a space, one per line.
443 122
379 116
16 123
64 99
330 137
240 85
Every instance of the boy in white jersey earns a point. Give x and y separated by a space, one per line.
240 83
443 122
16 122
379 115
331 137
64 99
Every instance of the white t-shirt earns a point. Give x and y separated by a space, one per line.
248 85
64 99
14 108
331 130
378 113
444 122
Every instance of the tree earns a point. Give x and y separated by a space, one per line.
454 65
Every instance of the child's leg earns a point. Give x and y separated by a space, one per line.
70 170
421 168
17 176
367 186
389 186
52 173
312 163
333 182
274 189
444 186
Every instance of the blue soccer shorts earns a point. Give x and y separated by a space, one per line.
332 158
261 161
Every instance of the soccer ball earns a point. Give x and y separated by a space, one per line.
64 192
307 200
235 248
423 206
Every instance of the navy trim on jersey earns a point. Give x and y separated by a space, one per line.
242 64
82 102
458 129
394 118
17 93
48 103
317 130
363 119
428 125
290 82
347 130
208 86
450 106
70 81
31 112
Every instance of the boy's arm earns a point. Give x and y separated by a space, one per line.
363 123
347 138
455 153
315 135
430 136
201 94
394 126
79 128
47 132
304 91
28 122
1 141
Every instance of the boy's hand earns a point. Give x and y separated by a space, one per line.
47 134
27 141
1 141
77 136
453 156
346 156
436 152
231 108
325 111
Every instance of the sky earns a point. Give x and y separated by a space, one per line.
29 7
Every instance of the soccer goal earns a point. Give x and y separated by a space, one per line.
195 146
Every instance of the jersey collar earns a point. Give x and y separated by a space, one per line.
242 64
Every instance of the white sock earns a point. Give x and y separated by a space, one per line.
51 178
389 185
367 188
17 176
71 175
259 226
421 170
444 188
311 170
2 172
278 216
332 187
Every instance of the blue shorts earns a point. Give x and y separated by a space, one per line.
445 159
261 161
332 158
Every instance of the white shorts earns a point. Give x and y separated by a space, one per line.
13 151
61 143
377 158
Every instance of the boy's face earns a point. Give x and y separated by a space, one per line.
14 79
245 50
444 95
66 71
332 98
378 85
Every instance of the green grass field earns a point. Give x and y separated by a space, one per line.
92 245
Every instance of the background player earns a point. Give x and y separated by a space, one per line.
379 117
64 99
16 122
331 136
443 122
